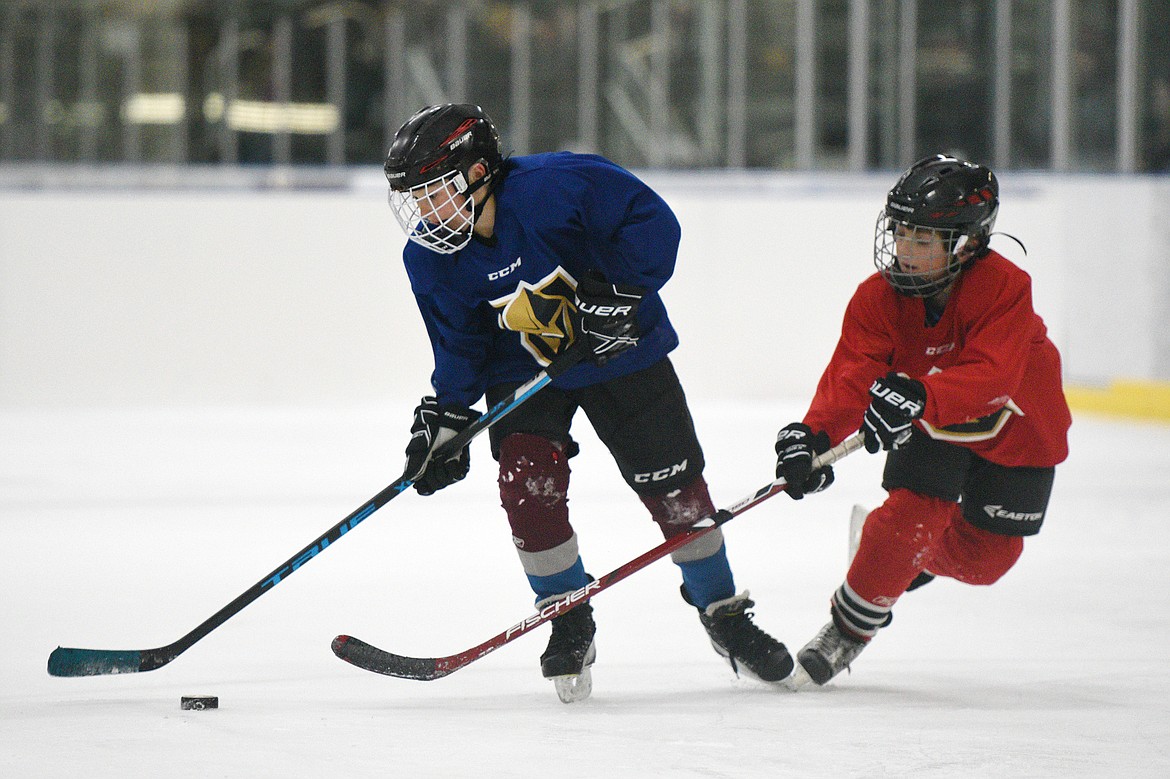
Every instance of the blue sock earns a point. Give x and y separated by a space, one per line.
709 579
571 579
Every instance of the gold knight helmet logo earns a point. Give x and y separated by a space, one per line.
542 313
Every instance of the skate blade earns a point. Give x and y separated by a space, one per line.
573 688
856 523
799 679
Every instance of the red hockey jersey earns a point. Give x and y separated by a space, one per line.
992 376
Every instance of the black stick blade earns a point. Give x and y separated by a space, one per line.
64 661
371 658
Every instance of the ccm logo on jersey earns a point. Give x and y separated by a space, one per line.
934 351
661 474
911 407
998 512
499 274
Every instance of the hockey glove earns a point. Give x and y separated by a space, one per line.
433 426
607 316
897 401
796 446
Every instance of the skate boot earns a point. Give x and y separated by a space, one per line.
570 652
829 653
738 640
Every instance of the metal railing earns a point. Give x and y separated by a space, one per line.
853 85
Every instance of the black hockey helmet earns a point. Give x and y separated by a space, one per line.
441 139
428 167
943 195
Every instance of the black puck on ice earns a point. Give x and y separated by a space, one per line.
198 702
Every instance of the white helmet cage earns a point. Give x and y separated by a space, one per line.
438 214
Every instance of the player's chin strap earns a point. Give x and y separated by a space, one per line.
1009 235
965 262
491 180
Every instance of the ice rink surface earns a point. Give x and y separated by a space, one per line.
126 529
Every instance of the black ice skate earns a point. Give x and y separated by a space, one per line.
747 648
570 652
829 653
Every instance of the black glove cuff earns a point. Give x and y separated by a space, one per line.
593 287
455 417
820 442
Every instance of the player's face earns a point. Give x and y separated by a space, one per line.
439 214
439 202
921 251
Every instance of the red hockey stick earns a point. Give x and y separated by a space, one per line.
371 658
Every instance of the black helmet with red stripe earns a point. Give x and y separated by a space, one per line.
946 192
942 195
441 139
429 167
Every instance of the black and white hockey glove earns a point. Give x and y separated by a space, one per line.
433 426
897 401
607 316
796 446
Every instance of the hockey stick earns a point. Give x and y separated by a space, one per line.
371 658
67 661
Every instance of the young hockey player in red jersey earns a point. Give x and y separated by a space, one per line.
943 362
512 261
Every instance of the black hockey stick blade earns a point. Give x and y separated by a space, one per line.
66 661
371 658
71 661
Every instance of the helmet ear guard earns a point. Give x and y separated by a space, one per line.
965 250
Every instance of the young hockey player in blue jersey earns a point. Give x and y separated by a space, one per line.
512 262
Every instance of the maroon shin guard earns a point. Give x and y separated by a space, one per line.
534 485
677 510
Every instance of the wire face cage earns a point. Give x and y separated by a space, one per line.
917 261
437 214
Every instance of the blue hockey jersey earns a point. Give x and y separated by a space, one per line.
499 310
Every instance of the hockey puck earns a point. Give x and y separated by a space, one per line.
198 702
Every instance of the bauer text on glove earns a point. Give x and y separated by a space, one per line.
896 401
434 425
607 316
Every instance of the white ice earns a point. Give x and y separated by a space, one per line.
126 529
